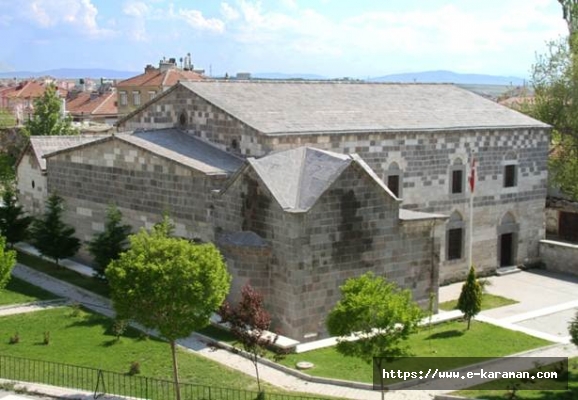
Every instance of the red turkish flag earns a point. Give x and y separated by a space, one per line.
472 177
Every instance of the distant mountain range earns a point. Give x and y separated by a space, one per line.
450 77
71 73
418 77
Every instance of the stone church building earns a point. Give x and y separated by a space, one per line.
304 184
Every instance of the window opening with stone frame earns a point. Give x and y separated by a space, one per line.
393 179
455 231
457 177
136 98
510 170
123 98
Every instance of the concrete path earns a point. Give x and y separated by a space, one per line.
288 382
547 301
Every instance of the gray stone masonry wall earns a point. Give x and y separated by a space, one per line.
202 119
31 184
559 256
247 265
354 228
141 184
425 160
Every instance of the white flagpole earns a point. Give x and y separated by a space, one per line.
472 188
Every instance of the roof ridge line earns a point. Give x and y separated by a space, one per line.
300 176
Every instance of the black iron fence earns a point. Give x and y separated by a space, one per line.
113 383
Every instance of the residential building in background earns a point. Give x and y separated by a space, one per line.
132 93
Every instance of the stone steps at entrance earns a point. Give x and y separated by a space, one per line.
507 270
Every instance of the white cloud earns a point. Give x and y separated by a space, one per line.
79 14
135 9
196 20
228 12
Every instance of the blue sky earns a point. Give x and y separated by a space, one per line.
334 38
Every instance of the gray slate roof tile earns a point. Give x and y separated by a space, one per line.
278 108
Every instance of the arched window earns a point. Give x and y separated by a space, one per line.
183 119
393 179
455 237
457 176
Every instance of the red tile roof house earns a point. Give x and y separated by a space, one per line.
140 89
93 107
20 99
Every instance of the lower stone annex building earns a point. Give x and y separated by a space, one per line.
304 184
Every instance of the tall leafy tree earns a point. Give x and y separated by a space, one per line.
13 221
470 300
107 245
555 83
50 235
378 314
249 322
47 118
168 284
7 262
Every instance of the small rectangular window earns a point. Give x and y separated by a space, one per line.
455 243
136 98
457 181
393 184
152 94
123 98
509 176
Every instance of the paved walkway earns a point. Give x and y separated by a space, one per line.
547 301
288 382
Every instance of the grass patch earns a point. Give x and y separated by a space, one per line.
49 268
444 340
18 291
539 394
87 340
489 301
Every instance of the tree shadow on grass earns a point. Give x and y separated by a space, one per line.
446 334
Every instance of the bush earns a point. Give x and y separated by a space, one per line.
134 368
14 339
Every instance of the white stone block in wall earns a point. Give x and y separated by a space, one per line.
86 212
76 159
98 226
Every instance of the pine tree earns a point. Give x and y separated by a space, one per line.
470 301
52 237
7 262
47 118
13 223
107 245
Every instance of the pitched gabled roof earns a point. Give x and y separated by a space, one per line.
87 104
29 90
43 145
185 149
154 77
278 108
173 145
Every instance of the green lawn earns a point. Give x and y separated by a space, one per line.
489 301
538 394
18 291
444 340
86 340
94 285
